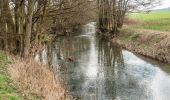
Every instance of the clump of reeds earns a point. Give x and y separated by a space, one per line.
38 79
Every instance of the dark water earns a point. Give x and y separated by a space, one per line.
94 69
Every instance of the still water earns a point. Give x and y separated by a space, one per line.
94 69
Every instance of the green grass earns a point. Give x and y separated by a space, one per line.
128 34
7 91
154 21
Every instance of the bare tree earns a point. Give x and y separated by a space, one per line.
30 19
111 13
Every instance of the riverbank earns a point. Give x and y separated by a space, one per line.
7 90
34 80
150 43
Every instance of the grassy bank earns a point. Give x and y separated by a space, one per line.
147 34
154 21
154 44
28 80
7 89
35 78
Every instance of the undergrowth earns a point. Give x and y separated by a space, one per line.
7 89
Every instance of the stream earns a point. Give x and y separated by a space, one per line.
92 68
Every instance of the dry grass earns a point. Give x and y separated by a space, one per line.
151 35
38 79
132 22
154 44
7 89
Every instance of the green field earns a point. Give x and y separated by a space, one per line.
153 21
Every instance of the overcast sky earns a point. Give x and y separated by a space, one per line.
164 4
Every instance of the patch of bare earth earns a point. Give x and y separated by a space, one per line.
36 78
154 44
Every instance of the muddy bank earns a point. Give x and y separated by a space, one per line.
35 78
153 44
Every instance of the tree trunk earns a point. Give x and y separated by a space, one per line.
27 38
20 22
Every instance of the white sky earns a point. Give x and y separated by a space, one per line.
164 4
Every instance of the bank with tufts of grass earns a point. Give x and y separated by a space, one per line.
35 78
26 79
150 43
7 90
147 34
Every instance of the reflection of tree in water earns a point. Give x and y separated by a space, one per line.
57 52
119 79
110 59
76 48
109 55
113 79
73 46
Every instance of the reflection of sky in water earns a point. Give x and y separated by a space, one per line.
103 72
92 65
158 82
44 57
161 86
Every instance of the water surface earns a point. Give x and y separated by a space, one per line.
94 69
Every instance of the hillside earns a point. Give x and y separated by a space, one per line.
162 10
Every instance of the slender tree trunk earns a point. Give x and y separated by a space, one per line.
7 22
27 38
20 22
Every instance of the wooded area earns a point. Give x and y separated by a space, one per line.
23 22
84 50
111 13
